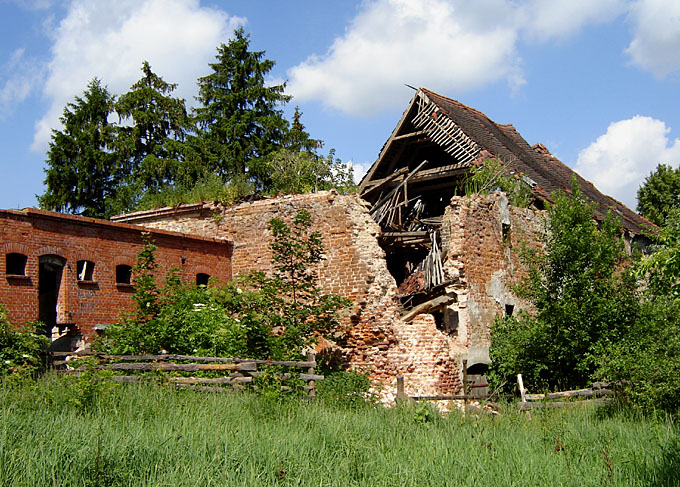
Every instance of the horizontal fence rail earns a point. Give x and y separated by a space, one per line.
239 371
600 392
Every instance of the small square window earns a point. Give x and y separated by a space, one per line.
85 269
123 274
15 264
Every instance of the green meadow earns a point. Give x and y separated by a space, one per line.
55 433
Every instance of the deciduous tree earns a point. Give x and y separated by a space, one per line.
659 193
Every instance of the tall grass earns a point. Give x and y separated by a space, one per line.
150 435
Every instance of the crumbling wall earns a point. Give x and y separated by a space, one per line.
376 340
482 236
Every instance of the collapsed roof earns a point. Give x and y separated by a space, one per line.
453 138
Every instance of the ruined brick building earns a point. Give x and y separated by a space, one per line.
74 273
427 270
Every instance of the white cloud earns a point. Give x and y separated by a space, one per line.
392 42
551 19
656 43
618 161
451 46
109 40
24 77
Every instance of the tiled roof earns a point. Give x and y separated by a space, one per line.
548 172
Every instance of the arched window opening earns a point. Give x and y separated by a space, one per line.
202 279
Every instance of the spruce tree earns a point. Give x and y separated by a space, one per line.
153 141
83 174
239 121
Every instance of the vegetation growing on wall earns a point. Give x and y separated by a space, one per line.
275 316
491 176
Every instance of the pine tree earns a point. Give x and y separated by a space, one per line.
82 174
153 143
239 121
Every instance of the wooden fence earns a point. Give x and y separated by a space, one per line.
599 392
238 372
470 383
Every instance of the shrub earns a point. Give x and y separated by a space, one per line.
22 352
255 316
584 299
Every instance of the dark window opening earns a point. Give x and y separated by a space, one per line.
85 269
509 309
446 320
505 228
202 279
16 264
123 274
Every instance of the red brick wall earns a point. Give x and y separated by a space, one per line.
376 340
37 233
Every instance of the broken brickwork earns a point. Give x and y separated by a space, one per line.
478 261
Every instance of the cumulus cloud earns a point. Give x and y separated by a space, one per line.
392 42
618 161
549 19
446 45
109 40
656 43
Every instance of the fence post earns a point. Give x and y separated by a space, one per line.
466 389
522 391
401 395
311 357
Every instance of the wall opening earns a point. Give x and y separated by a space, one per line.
15 264
202 279
85 269
509 309
446 320
506 231
123 274
50 270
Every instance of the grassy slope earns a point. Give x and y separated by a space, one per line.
153 436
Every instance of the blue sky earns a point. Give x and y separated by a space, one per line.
596 81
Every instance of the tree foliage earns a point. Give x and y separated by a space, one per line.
646 362
151 137
659 194
259 316
584 300
239 120
83 172
237 141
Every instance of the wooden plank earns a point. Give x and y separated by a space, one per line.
533 405
246 366
445 398
404 235
286 376
427 306
379 183
409 135
522 390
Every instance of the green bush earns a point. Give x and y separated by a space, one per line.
255 316
22 352
584 298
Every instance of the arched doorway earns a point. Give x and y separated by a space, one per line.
50 270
